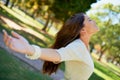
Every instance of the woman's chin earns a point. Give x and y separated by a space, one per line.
97 29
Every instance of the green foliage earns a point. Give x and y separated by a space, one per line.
108 19
63 9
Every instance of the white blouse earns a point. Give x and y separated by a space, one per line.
78 62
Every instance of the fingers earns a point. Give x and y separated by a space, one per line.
7 38
16 35
9 41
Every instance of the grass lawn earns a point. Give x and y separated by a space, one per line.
105 71
12 68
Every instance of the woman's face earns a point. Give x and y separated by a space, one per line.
90 26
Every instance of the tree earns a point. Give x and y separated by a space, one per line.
34 8
13 2
63 9
107 16
113 54
7 2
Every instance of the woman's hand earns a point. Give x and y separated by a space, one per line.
17 43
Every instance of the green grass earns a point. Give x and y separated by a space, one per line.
105 71
96 77
12 68
115 68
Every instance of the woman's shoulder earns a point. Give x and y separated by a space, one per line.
76 43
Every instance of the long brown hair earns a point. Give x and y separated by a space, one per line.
68 33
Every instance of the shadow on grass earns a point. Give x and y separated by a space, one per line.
2 26
95 77
32 39
17 21
106 70
4 13
49 37
34 28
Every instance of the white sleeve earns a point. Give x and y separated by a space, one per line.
74 51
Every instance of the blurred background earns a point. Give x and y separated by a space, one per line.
39 21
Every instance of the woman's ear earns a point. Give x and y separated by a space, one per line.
82 30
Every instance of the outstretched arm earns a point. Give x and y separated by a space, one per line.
19 44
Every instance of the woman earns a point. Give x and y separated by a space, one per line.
71 46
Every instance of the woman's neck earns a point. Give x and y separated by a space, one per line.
85 40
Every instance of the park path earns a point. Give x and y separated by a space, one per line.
35 64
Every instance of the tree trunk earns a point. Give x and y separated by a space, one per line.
50 25
33 14
46 24
7 2
101 54
113 59
12 5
